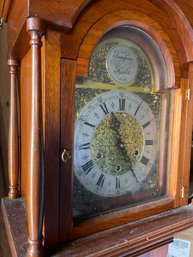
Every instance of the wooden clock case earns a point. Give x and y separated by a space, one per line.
52 43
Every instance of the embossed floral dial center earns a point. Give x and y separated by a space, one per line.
117 143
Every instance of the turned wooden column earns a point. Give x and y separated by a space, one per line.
13 145
35 178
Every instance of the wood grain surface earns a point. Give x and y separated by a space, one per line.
72 29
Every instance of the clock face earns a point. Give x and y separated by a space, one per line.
115 143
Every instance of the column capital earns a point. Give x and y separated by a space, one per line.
12 62
34 23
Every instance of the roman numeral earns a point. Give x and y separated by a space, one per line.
104 108
89 124
137 110
144 160
118 184
84 146
87 167
122 104
101 180
148 142
146 124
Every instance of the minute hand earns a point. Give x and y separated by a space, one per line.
115 125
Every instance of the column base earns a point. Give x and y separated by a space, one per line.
13 192
35 248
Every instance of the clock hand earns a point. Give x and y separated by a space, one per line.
115 125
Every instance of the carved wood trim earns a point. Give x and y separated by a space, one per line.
13 146
35 180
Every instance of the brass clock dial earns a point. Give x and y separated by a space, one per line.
115 143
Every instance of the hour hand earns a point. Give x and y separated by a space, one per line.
114 123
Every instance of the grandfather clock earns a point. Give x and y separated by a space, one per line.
100 132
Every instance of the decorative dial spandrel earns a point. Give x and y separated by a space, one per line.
115 144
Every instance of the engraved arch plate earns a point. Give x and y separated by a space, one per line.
122 64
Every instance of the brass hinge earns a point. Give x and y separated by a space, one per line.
182 192
1 22
188 94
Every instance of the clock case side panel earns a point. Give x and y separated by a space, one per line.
187 130
68 76
51 125
181 139
25 95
